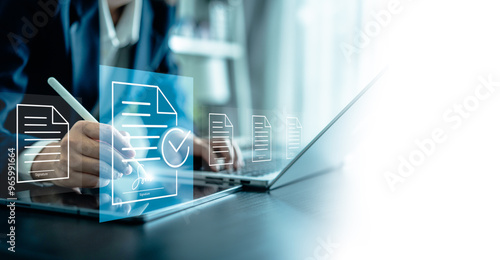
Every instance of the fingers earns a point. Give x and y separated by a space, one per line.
106 204
108 134
224 150
206 157
125 134
90 167
229 155
201 148
90 160
101 168
88 180
108 155
238 157
125 208
82 180
92 181
232 155
90 145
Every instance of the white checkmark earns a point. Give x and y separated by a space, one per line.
179 147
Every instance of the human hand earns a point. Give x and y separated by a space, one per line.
202 148
81 147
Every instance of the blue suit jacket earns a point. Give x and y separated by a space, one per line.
61 39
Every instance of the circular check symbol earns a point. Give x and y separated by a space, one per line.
168 144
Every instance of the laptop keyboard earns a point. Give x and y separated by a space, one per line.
253 169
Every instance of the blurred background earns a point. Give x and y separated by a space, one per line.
310 58
276 58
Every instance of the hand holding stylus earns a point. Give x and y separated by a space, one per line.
88 168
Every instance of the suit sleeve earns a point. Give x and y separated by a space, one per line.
17 30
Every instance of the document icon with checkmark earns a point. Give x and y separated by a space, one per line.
145 116
175 155
153 112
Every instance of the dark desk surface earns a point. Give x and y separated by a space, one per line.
284 223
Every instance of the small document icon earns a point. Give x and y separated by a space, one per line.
221 139
40 123
262 139
293 136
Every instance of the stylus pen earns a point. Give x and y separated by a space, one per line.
82 111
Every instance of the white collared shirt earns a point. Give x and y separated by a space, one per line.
113 39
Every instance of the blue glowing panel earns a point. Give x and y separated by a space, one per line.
146 145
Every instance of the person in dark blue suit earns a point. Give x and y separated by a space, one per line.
69 39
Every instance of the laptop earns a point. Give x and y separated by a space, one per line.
266 175
326 152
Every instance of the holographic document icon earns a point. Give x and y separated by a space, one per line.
37 125
221 139
261 139
293 137
145 116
